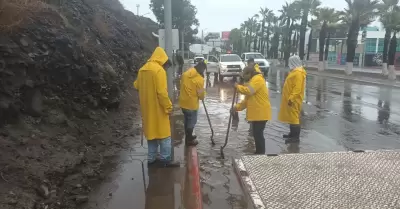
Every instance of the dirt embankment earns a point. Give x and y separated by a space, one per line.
65 68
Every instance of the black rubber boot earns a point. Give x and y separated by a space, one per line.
190 139
295 138
290 134
172 164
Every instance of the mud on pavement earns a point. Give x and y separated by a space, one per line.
49 162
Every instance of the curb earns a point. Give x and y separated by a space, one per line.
194 178
254 200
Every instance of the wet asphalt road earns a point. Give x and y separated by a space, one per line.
338 115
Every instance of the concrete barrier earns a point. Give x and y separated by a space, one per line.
194 179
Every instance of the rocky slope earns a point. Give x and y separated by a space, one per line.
64 73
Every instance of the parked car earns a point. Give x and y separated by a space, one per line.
229 65
259 59
197 59
212 65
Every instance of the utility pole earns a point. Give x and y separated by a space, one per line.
137 9
202 40
168 50
168 44
183 43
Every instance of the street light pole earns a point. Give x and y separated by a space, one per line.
202 40
183 43
137 9
168 44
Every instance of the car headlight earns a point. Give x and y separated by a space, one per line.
242 66
223 66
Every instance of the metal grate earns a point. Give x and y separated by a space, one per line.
322 180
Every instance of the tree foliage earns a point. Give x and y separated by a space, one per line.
183 16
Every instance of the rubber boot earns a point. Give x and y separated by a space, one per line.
287 136
190 140
295 138
172 164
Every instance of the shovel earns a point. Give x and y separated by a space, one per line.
209 122
235 115
229 125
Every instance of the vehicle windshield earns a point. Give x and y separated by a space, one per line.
230 58
254 56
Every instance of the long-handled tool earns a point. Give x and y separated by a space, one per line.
235 115
209 122
229 125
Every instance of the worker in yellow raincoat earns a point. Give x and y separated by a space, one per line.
156 107
257 104
292 99
191 91
251 62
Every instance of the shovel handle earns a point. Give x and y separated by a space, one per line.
209 123
229 124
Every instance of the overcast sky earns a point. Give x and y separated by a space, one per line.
224 15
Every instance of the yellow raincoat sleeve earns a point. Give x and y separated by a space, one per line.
162 93
297 89
242 105
250 88
201 93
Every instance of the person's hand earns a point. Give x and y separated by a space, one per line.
236 85
290 103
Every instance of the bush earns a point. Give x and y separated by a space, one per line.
15 12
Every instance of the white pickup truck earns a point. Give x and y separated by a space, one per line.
259 59
212 65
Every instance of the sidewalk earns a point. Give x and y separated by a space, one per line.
367 76
134 185
367 72
357 78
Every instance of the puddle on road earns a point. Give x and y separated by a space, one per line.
332 122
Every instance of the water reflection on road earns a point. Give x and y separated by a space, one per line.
338 115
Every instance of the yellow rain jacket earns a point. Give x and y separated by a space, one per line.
257 68
293 90
155 105
192 90
256 100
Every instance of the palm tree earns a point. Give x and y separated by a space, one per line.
266 15
271 18
274 50
235 37
252 24
332 18
387 10
263 13
324 15
358 14
395 25
289 14
306 7
256 35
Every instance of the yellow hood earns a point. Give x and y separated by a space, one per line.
257 68
159 56
192 72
